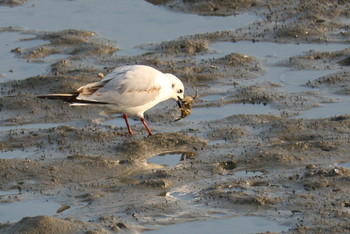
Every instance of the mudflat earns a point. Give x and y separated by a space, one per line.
277 164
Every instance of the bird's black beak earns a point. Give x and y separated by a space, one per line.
179 102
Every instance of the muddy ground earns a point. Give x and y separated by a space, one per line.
100 175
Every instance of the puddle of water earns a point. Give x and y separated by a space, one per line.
327 110
14 154
183 196
73 123
8 193
243 224
118 122
290 80
131 19
248 173
269 51
15 211
219 112
214 97
12 67
33 126
345 165
166 159
135 18
55 57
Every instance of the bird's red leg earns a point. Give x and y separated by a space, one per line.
146 126
125 116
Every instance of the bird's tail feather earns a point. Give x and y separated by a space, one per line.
71 98
67 97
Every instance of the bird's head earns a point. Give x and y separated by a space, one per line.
177 89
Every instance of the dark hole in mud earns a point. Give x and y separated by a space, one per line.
228 165
345 62
339 118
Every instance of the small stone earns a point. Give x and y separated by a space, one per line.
17 50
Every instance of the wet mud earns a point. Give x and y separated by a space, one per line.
280 166
12 3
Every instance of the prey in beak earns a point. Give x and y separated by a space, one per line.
185 105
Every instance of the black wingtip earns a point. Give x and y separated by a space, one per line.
67 97
70 98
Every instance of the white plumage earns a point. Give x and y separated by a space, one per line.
130 90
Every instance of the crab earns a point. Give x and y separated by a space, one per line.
185 105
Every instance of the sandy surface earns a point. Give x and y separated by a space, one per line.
100 174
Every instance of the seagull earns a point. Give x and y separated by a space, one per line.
130 90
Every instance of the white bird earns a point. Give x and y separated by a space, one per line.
130 90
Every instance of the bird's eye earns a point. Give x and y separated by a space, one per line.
173 85
180 91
